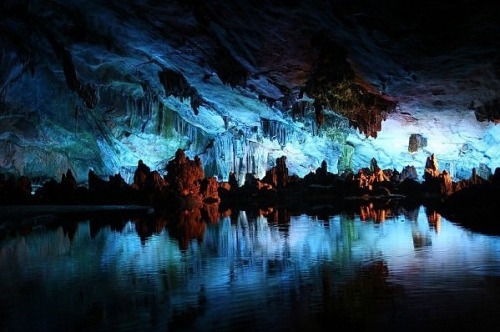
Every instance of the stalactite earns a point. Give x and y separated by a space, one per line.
223 155
239 151
142 111
76 110
159 120
490 111
192 133
238 156
175 84
276 130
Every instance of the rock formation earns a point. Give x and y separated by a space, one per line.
436 182
278 175
101 84
14 191
185 178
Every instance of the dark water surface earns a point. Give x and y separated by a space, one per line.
412 271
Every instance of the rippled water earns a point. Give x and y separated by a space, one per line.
248 272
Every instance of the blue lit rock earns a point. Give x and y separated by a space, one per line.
231 99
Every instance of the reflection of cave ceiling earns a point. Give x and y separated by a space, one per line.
102 83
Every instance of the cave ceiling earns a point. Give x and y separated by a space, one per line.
232 64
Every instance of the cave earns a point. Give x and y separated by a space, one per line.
101 86
297 103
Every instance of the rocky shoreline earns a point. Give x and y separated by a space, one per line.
472 202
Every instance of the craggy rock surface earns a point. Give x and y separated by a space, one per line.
102 84
473 202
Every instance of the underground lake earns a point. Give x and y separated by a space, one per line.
188 165
385 269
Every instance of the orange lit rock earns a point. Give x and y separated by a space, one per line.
278 175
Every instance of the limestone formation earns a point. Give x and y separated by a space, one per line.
436 182
65 192
321 177
68 181
14 190
431 168
278 175
416 142
140 174
209 190
408 172
184 176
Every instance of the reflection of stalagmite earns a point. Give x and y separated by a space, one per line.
70 228
381 215
364 212
368 212
146 227
186 225
266 211
211 213
280 216
369 292
434 220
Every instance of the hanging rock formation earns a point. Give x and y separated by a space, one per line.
99 84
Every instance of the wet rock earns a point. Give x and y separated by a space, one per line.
65 192
416 142
431 168
24 186
113 191
251 181
475 207
408 172
446 183
185 180
436 183
155 182
141 173
278 175
410 187
484 171
184 176
233 182
496 177
210 213
321 176
15 190
209 190
68 181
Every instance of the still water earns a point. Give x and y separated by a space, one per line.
250 271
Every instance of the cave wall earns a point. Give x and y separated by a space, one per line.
93 85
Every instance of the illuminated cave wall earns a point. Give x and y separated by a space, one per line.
156 95
46 130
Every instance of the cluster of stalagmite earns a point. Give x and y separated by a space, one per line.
185 187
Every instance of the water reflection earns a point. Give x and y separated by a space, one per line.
253 270
434 219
